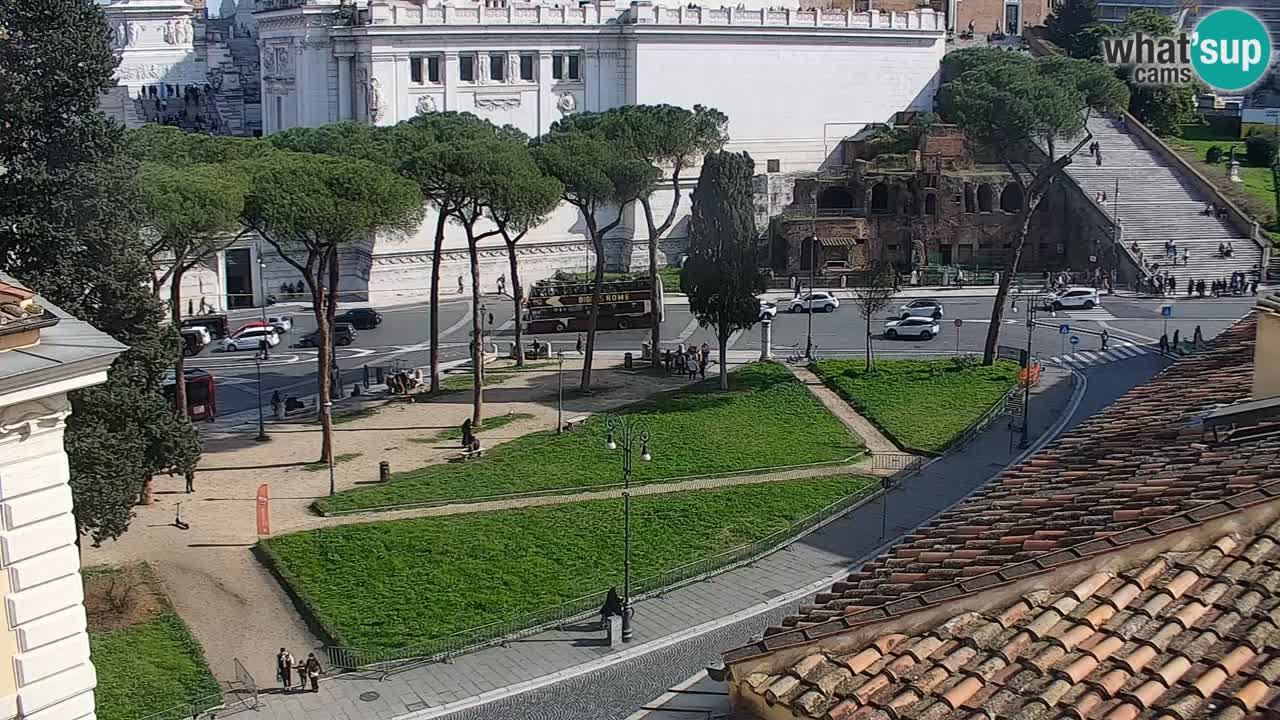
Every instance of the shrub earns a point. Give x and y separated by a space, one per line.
1260 150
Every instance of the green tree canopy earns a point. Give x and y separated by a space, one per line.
1073 24
309 207
68 230
1022 109
720 276
596 174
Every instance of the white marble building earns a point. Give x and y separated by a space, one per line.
792 82
46 671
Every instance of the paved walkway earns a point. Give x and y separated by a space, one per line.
871 436
705 616
861 467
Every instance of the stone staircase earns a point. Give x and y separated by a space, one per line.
1154 203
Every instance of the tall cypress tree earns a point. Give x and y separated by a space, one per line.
68 230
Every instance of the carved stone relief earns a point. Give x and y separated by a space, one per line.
26 418
497 102
375 99
566 103
426 104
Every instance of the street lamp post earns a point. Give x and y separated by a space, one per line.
262 291
1032 302
560 393
333 487
629 430
257 361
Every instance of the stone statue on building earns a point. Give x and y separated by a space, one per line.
118 36
919 254
374 99
483 61
169 33
131 33
187 31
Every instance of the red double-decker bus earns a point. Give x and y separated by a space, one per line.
556 306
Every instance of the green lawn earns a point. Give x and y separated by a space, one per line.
1256 195
769 419
337 460
149 666
670 279
920 404
392 584
492 376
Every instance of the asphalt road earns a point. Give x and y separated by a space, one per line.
402 337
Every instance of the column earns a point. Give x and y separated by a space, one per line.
344 88
546 99
766 339
449 79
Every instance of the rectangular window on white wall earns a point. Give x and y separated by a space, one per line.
575 69
498 67
557 66
566 66
415 70
526 67
433 69
467 68
279 113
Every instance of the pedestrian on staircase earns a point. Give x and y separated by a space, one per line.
1164 344
1097 157
1253 287
1200 287
1172 284
1176 343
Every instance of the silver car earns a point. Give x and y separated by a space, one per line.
923 307
918 327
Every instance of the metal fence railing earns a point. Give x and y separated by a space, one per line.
896 461
239 693
984 422
388 660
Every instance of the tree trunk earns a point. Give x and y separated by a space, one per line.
516 293
477 334
179 363
655 332
598 243
1006 279
435 301
320 308
870 361
723 339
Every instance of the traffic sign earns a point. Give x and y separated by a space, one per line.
1064 329
958 322
1007 352
1075 340
1166 311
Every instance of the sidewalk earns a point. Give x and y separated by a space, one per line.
713 606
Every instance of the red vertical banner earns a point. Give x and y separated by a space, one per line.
264 511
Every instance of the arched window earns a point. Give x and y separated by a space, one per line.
808 252
1011 198
835 199
931 205
984 198
880 198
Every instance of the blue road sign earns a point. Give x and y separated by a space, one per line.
1075 340
1166 311
1064 329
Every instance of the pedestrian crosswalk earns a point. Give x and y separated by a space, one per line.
1116 351
1097 313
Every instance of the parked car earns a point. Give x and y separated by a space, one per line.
918 327
768 309
282 323
815 302
343 334
251 339
1077 297
361 318
194 339
251 325
924 307
216 324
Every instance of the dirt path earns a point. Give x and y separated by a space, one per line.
871 436
234 607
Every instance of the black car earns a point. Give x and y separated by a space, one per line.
343 334
362 318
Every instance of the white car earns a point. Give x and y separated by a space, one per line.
815 302
205 336
768 309
251 339
924 307
918 327
1076 297
282 323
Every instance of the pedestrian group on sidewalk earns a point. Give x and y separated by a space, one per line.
309 669
691 363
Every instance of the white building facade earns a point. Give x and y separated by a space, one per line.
792 83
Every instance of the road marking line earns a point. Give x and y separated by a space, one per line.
687 331
466 320
733 339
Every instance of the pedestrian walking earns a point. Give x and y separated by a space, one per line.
1097 157
1176 341
191 481
301 669
579 343
284 669
1164 344
666 360
502 284
313 671
277 405
1106 338
702 365
1253 287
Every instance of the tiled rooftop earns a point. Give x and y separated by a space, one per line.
1143 459
1184 636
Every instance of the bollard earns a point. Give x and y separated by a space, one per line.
626 361
384 471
